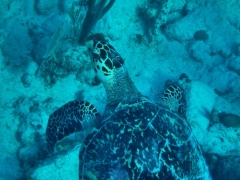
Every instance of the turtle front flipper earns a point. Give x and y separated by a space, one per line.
68 119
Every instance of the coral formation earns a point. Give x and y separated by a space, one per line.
229 120
201 35
54 63
95 12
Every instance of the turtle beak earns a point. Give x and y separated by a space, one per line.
91 49
89 45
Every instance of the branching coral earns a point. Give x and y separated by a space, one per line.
95 12
76 15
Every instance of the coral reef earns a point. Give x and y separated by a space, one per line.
56 62
159 40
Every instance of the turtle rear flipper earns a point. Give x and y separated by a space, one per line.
174 95
68 119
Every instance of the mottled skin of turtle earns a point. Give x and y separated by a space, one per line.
135 138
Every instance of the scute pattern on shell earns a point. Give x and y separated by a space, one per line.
143 140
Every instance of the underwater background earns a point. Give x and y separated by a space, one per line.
44 64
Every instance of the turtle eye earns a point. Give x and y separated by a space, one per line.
96 56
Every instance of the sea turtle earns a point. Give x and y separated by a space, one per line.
135 138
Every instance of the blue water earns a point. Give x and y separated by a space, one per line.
44 64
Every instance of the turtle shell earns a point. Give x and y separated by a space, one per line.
141 140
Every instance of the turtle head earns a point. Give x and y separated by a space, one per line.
105 59
110 70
